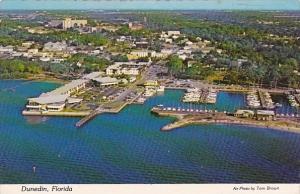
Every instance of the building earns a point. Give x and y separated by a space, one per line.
135 26
27 44
172 33
142 44
106 81
57 99
265 115
70 88
151 83
244 113
123 68
51 103
7 49
55 46
69 23
138 54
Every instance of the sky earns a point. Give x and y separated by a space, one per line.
150 4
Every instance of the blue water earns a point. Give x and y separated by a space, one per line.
130 148
151 4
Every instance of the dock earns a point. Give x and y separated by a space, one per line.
85 119
102 109
265 100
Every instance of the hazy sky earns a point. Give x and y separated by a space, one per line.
150 4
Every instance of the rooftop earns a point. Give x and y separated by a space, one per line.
49 99
69 86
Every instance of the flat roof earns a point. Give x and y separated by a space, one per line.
106 80
265 112
242 111
67 87
49 99
93 75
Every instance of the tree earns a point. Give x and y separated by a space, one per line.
175 65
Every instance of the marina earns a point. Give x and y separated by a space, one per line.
109 146
197 95
266 100
253 99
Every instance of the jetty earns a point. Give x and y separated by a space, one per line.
186 117
105 108
89 117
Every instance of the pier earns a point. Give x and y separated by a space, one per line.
89 117
265 100
102 109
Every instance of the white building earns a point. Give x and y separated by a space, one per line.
172 33
106 81
69 23
7 49
55 47
119 69
57 99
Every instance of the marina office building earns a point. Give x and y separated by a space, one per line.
57 99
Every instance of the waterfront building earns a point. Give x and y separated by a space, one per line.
70 88
244 113
106 81
265 115
93 75
57 99
51 103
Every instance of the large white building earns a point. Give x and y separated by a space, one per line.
123 68
57 99
69 23
55 46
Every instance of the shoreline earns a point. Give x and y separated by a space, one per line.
38 79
